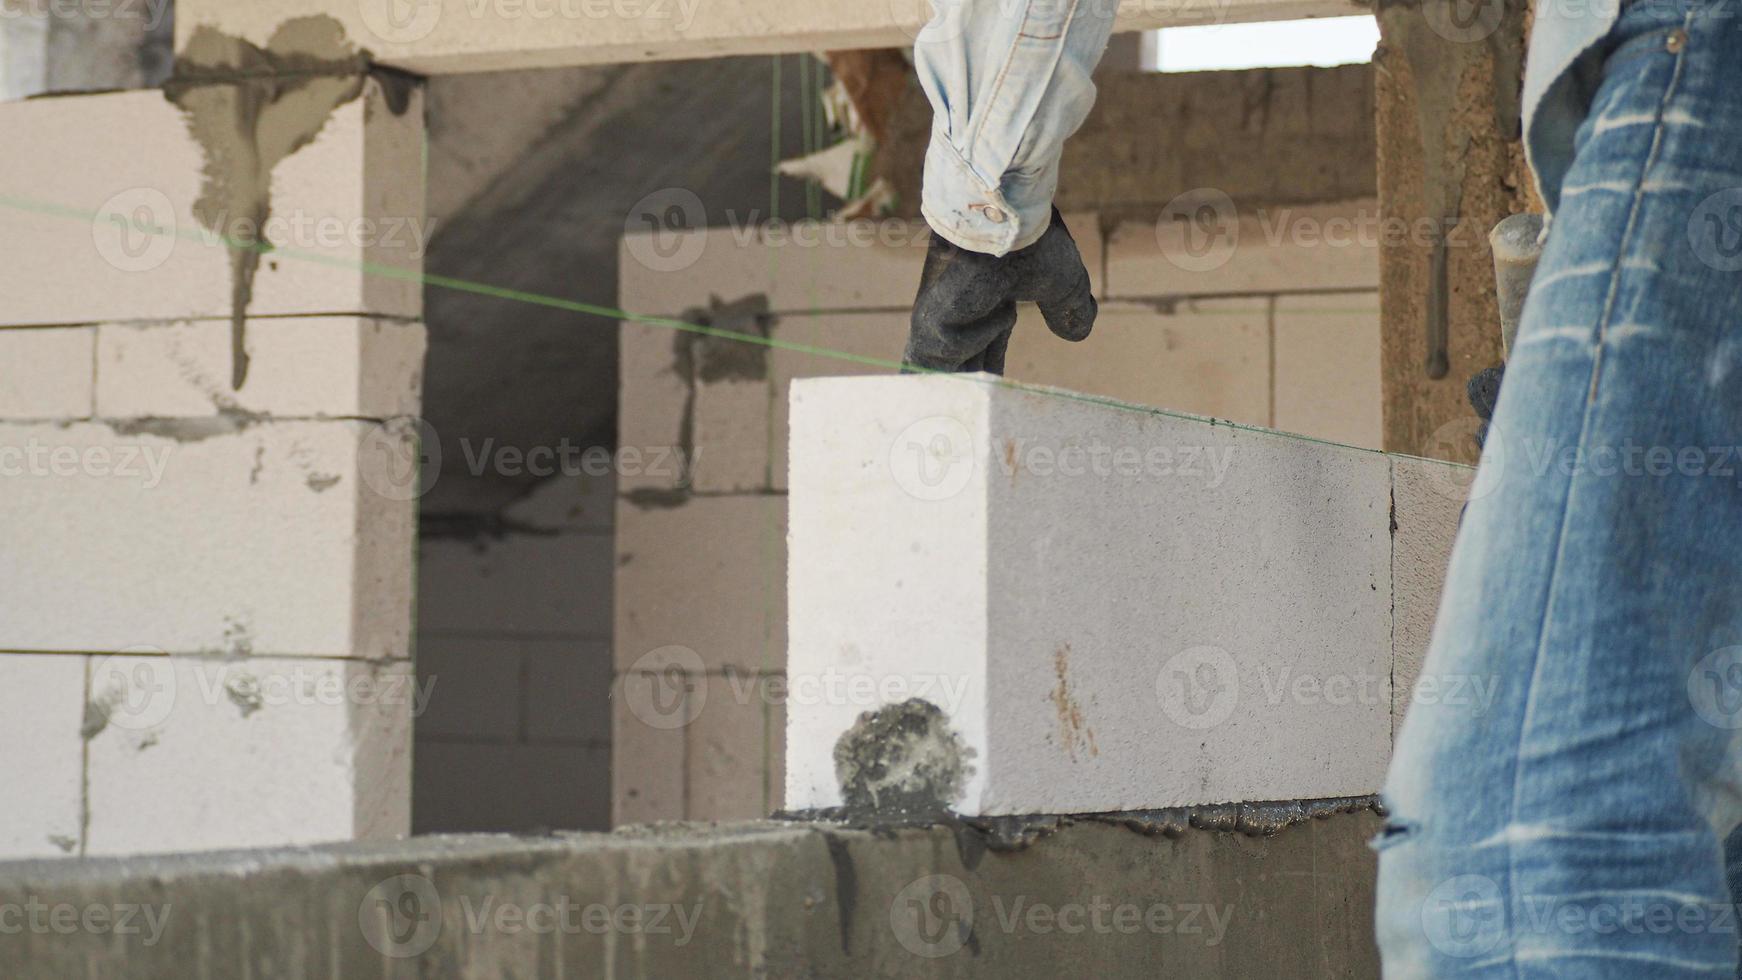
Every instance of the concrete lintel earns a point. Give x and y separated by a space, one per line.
435 37
724 900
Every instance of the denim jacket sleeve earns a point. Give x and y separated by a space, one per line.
1009 81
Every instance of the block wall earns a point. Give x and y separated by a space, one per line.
1268 318
205 592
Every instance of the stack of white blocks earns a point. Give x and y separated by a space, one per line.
205 593
1116 608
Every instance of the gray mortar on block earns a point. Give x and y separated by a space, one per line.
698 359
902 760
249 108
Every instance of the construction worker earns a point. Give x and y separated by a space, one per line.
1574 826
1009 82
1572 823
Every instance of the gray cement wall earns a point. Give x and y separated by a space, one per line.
741 900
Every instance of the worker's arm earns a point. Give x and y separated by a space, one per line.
1009 81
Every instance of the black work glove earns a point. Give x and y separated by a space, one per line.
1484 392
966 305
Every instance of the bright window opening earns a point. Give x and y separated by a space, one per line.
1324 42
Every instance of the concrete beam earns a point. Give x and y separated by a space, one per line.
448 36
1008 602
745 900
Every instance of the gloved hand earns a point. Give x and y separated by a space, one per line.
966 305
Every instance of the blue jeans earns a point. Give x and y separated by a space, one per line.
1572 824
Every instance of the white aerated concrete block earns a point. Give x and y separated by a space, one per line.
1220 251
298 366
207 535
94 235
1113 608
45 373
207 753
42 700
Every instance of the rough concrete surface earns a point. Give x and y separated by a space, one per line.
755 900
1450 167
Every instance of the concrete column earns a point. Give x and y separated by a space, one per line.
1020 602
205 596
1451 165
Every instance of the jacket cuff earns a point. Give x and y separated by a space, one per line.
974 213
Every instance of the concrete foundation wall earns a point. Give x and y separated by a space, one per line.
747 900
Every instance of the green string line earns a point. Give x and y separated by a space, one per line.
209 239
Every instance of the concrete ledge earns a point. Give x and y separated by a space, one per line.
1013 601
446 36
738 900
